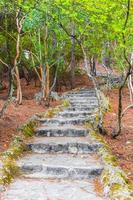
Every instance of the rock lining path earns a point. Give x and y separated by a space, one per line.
62 162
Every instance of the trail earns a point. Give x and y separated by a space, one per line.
62 162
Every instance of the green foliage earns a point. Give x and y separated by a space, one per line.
33 21
51 112
28 129
9 171
66 103
9 167
97 23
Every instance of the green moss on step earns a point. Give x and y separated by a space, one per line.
9 171
66 103
28 129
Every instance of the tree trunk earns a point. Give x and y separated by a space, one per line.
73 59
130 87
93 66
16 70
9 98
95 87
119 111
117 133
47 81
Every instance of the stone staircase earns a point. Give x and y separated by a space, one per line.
62 161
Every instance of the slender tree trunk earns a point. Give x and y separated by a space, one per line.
73 60
95 87
9 55
93 66
9 98
119 111
55 80
130 87
42 67
120 103
47 81
17 75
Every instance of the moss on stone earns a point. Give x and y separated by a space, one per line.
66 103
9 171
28 129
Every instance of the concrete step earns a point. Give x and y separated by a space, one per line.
74 113
70 145
82 98
60 166
79 109
61 131
58 189
83 92
81 95
84 106
84 102
65 121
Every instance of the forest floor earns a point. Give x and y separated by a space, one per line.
121 147
15 116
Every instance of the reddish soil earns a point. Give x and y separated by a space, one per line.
18 115
122 146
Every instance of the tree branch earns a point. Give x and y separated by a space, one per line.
4 63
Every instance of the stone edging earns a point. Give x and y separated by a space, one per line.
114 180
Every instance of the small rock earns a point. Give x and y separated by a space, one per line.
128 142
73 150
54 95
38 97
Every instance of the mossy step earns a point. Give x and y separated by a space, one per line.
77 108
63 145
80 95
60 166
74 113
65 121
82 98
61 131
84 103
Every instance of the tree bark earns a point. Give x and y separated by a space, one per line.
73 59
47 81
9 98
16 70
